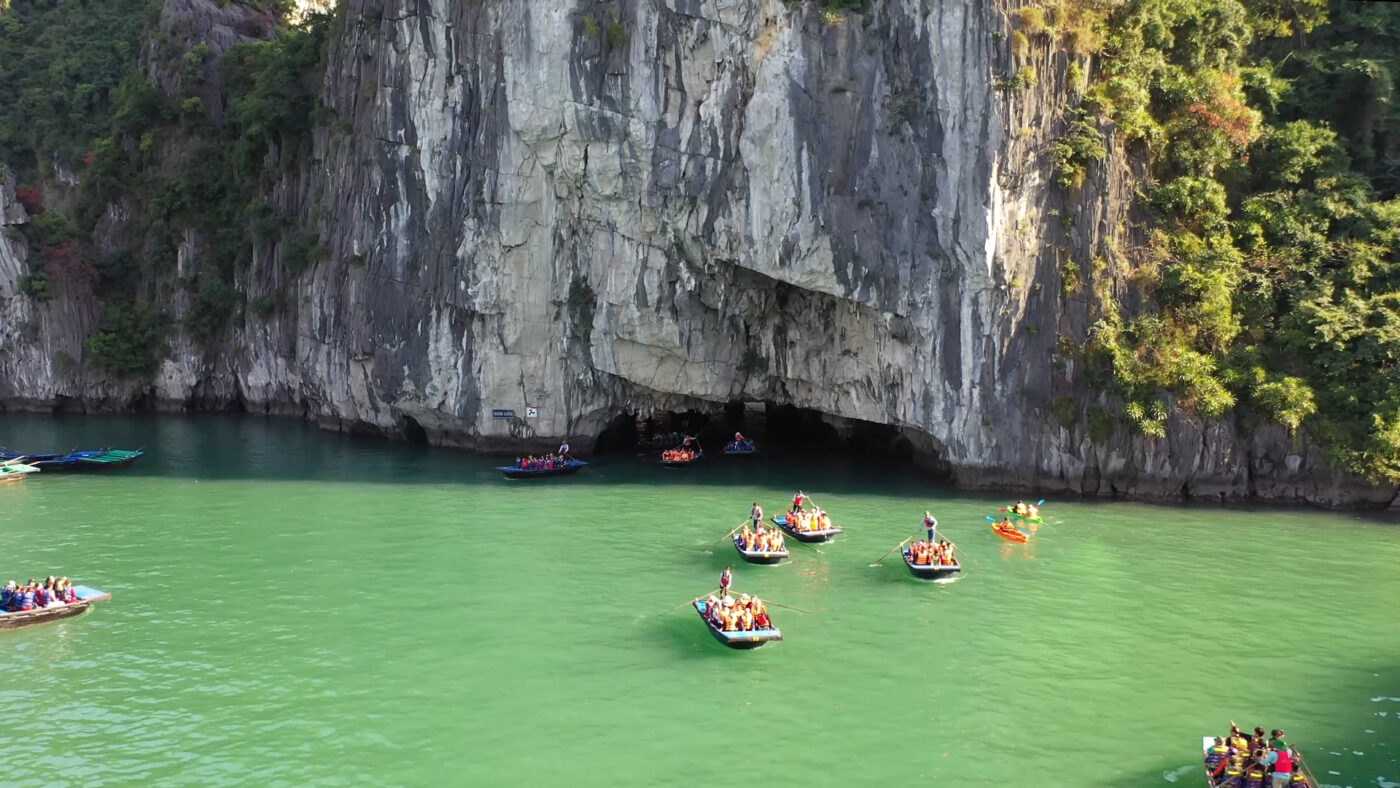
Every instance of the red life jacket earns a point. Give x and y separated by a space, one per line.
1284 764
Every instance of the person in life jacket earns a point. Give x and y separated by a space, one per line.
1280 761
1216 756
797 500
931 523
756 514
1232 775
1254 776
1300 780
1019 508
725 578
738 439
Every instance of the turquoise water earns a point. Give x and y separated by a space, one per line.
297 608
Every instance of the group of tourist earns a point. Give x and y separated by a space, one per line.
35 595
928 553
547 462
746 614
806 520
683 454
764 540
1238 760
1026 509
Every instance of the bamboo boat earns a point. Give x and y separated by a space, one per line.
566 469
824 535
759 556
24 618
929 571
741 639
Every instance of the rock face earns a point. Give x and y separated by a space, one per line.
589 208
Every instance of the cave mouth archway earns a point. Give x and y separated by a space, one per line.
781 430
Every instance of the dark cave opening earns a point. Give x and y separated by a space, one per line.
413 432
780 430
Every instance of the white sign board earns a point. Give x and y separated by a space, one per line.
532 413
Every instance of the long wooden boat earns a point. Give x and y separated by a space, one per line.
759 556
93 460
742 639
570 467
930 571
24 618
1298 765
824 535
1011 534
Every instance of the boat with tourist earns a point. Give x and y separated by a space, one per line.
1242 760
741 623
686 454
53 600
1007 531
931 562
90 460
809 526
542 467
14 470
760 547
740 446
1030 512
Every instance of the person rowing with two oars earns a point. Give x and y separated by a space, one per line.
756 514
725 578
931 523
564 451
797 501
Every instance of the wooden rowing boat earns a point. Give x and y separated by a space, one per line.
824 535
570 467
741 449
759 556
684 463
929 571
741 639
94 460
1208 741
24 618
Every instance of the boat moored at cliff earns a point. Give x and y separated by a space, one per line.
565 468
88 460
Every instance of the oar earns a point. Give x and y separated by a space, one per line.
896 547
789 607
731 533
804 544
683 604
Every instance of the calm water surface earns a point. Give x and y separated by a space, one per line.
297 608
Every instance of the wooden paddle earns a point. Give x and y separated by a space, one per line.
731 533
896 547
683 604
788 607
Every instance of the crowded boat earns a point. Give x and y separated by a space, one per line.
740 445
925 553
762 540
679 455
1244 760
547 462
812 520
746 614
33 595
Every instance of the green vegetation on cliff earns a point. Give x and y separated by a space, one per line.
1271 271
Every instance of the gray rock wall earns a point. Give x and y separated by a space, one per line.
588 207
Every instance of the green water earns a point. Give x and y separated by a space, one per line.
296 608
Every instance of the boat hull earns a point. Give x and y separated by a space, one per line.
740 451
1019 537
542 473
682 463
930 571
754 638
102 460
768 557
28 618
810 537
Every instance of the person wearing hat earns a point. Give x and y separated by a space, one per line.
1280 761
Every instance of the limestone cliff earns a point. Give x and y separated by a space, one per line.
588 207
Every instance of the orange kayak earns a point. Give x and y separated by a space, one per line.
1010 533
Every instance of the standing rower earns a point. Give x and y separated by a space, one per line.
564 450
931 523
756 514
725 578
797 501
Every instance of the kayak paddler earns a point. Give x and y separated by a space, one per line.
725 578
